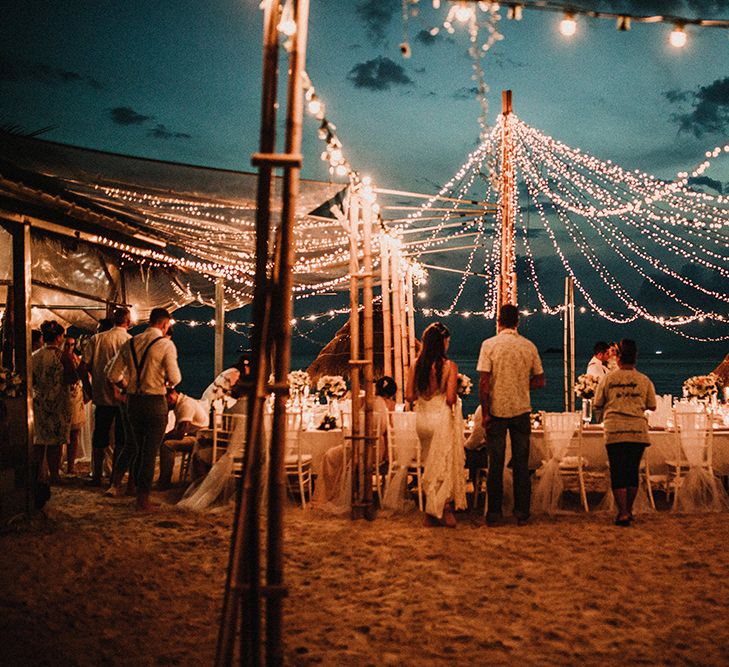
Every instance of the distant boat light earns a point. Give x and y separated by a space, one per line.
659 351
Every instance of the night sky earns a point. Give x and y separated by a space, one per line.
180 81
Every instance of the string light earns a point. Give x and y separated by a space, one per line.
568 25
677 37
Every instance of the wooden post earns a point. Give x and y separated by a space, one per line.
242 588
386 316
403 325
396 321
219 324
572 342
565 340
410 314
507 278
369 356
22 291
354 360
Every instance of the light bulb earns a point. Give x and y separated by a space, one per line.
287 27
341 170
463 13
314 106
568 25
335 155
678 37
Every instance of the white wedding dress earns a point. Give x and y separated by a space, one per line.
440 430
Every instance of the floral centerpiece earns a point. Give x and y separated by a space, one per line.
9 383
585 386
298 380
701 387
332 386
463 385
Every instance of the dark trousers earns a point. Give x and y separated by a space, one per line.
106 416
147 415
519 429
624 460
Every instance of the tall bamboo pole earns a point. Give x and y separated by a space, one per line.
243 568
354 360
404 326
219 325
386 316
565 341
410 312
507 277
396 321
283 309
572 342
369 356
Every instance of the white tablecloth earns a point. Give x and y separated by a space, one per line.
317 443
662 448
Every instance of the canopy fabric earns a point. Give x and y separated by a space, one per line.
128 230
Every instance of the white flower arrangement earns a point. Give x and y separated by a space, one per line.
298 380
586 385
332 386
701 387
9 383
464 385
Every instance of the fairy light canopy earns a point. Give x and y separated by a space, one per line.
148 233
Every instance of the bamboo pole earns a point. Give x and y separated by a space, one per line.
507 291
354 346
386 316
410 313
219 324
396 322
242 582
369 357
565 331
572 343
406 361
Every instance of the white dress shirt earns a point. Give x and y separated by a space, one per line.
160 369
596 368
99 352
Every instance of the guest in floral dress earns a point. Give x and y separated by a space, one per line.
51 399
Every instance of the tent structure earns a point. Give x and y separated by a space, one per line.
109 229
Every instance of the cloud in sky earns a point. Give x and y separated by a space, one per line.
380 73
20 71
376 15
710 108
465 93
709 182
127 116
161 132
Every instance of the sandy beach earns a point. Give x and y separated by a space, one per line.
94 582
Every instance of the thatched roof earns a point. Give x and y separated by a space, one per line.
334 357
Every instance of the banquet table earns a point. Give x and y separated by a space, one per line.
662 448
317 443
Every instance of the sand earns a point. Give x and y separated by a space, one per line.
96 583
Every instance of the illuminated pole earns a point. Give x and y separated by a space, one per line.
507 274
386 317
219 324
396 319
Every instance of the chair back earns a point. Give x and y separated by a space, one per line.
559 429
402 441
229 432
694 433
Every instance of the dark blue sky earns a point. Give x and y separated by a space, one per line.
181 80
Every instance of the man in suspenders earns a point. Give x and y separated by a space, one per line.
145 366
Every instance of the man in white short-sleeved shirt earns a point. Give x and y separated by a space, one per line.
509 367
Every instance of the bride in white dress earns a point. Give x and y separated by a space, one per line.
432 383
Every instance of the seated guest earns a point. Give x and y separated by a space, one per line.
329 483
218 393
190 416
597 366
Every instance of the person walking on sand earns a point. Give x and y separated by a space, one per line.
509 367
622 397
144 367
100 350
432 385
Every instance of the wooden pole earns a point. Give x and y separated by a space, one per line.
354 346
369 357
22 291
283 310
219 324
410 311
386 315
572 342
396 324
507 277
403 323
243 577
565 340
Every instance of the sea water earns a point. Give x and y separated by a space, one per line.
667 374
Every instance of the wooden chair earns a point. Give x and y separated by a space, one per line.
404 450
297 466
